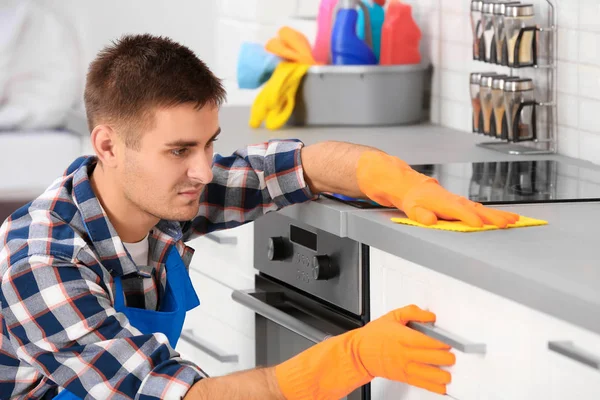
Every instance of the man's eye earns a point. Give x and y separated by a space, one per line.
211 142
179 152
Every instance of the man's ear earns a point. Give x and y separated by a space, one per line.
104 140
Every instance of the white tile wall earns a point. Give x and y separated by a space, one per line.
588 115
568 45
266 12
568 110
589 81
445 25
568 12
569 141
589 144
578 70
568 77
589 53
589 12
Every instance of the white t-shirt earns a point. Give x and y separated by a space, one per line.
138 251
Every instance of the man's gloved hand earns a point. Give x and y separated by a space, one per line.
389 181
383 348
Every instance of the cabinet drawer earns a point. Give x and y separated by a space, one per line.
382 389
573 359
215 347
216 301
225 255
386 296
517 363
571 379
404 287
498 324
189 352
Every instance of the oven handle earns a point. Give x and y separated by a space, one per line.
247 298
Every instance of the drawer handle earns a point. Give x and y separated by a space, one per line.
221 239
456 342
247 298
188 336
568 349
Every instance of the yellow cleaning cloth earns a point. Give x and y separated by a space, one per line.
459 226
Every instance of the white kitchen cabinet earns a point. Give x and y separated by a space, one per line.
390 289
382 389
517 363
215 301
226 256
218 334
569 375
214 346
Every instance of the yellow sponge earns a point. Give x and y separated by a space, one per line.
459 226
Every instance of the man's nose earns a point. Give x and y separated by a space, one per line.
201 170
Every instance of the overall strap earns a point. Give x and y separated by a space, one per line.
119 296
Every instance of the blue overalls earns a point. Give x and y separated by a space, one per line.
179 297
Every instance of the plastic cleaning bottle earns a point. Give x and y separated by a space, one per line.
322 43
360 24
377 16
346 47
400 36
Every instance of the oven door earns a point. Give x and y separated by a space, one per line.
289 322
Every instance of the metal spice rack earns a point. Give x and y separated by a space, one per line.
549 142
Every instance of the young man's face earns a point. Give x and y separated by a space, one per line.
165 176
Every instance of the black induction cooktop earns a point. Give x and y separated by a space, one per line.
509 182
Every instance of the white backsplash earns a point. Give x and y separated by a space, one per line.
446 30
447 45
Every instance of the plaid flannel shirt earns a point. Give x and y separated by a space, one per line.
58 257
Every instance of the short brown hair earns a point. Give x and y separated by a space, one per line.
135 75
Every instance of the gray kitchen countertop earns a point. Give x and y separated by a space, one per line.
554 269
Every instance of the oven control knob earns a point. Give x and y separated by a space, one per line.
322 268
278 249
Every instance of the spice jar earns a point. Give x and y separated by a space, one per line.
499 124
487 22
485 94
475 82
499 31
520 104
476 28
520 31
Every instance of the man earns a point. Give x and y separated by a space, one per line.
94 286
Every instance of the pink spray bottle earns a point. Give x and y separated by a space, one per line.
322 45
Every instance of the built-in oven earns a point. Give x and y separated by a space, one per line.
310 285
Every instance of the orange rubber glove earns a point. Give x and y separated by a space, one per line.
390 181
291 45
383 348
